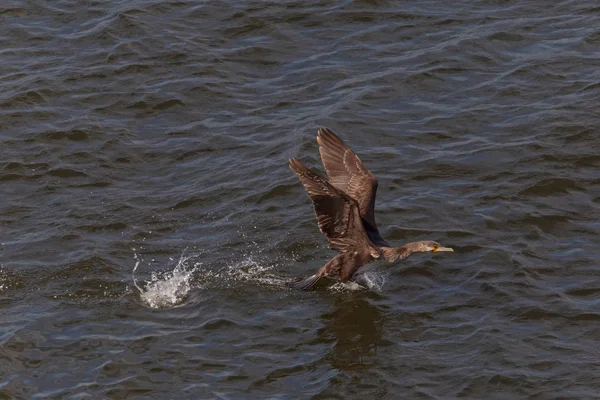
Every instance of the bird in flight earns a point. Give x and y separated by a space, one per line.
345 210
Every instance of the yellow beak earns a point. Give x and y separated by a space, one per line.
443 249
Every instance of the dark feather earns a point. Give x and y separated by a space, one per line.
304 284
347 173
337 213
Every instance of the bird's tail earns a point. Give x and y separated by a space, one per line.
304 284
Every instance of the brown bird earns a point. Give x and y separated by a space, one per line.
345 210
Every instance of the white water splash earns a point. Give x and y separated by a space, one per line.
368 280
171 288
373 280
3 286
249 270
168 289
346 287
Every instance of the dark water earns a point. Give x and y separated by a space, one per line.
155 135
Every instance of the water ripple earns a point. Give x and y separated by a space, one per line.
163 126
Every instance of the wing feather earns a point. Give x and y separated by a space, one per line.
347 173
337 213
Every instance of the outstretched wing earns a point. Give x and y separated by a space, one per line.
347 173
337 213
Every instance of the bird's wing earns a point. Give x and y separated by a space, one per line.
337 213
347 173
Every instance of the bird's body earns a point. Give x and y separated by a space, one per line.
345 210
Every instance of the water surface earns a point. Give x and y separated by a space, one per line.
154 136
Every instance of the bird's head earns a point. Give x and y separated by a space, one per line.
430 245
393 255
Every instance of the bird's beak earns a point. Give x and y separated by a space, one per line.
443 249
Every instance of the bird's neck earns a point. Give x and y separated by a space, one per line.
395 254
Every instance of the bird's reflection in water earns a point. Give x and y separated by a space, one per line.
355 327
